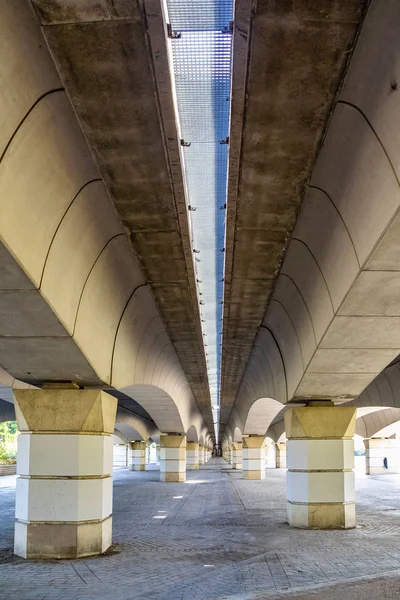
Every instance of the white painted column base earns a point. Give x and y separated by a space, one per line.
237 455
158 453
137 456
253 457
201 454
173 458
192 456
280 455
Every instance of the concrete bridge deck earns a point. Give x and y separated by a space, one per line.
219 537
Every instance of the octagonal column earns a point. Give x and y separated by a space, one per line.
201 455
173 458
376 450
237 455
253 457
280 455
158 451
137 456
65 459
320 461
192 456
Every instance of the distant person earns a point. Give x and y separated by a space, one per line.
385 463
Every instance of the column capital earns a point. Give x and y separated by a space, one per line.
65 410
192 445
253 441
320 422
172 440
138 445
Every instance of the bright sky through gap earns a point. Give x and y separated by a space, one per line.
201 51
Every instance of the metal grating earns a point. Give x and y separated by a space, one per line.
199 15
201 57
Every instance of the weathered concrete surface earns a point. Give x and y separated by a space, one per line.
297 54
112 59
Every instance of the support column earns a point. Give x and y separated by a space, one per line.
64 486
376 450
320 460
192 456
158 450
230 454
173 458
137 456
237 455
201 455
280 455
253 457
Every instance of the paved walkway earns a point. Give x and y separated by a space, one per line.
217 537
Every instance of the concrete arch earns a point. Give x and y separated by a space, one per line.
160 406
133 427
276 431
281 437
237 435
192 434
372 420
260 416
119 438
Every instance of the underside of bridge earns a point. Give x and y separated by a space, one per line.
199 249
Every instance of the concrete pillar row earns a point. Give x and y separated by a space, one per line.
253 457
65 459
137 456
173 458
376 450
192 456
320 460
237 455
280 455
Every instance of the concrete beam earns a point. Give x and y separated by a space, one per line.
290 61
113 62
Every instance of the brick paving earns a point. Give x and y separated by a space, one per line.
216 536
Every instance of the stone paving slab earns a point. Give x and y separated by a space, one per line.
216 536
